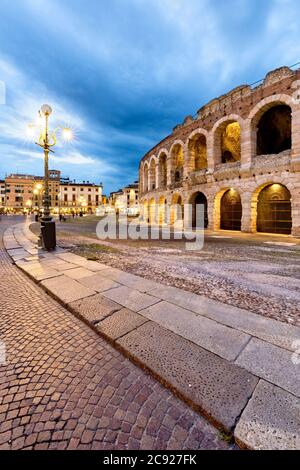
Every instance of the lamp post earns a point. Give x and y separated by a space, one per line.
46 141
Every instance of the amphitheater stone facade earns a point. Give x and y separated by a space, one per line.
240 158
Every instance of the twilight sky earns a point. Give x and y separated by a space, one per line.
123 73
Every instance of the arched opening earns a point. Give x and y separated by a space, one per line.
162 211
229 145
146 175
197 153
152 207
274 131
177 158
199 199
274 210
152 174
231 210
163 170
177 209
146 211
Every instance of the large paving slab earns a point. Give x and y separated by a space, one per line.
218 388
120 323
130 280
81 261
98 283
66 289
11 244
219 339
18 253
38 272
272 331
78 273
70 257
270 421
130 298
95 308
272 364
58 264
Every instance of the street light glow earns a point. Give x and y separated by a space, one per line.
30 130
67 134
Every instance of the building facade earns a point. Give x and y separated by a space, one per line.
25 193
239 158
2 195
84 197
126 200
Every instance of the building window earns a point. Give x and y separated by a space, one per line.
66 198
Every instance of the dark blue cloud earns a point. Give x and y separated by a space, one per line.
126 72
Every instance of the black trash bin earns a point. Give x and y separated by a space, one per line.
48 235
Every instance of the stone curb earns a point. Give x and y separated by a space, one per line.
236 425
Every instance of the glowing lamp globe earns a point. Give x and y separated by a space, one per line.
46 110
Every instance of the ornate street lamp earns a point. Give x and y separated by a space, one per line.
46 141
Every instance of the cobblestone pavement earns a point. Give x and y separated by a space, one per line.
63 387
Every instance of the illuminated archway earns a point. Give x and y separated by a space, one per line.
162 170
177 159
274 209
177 209
146 177
146 211
152 178
197 153
152 211
231 210
162 210
227 141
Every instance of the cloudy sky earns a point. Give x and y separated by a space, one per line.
123 73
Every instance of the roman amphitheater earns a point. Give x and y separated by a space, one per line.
239 158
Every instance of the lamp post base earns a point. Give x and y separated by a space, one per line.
48 234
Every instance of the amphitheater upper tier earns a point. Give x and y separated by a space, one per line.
240 157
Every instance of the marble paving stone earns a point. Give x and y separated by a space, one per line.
94 265
18 252
38 272
78 273
70 257
130 298
218 388
267 329
130 280
66 289
120 323
58 264
81 261
98 282
95 308
272 364
219 339
270 421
